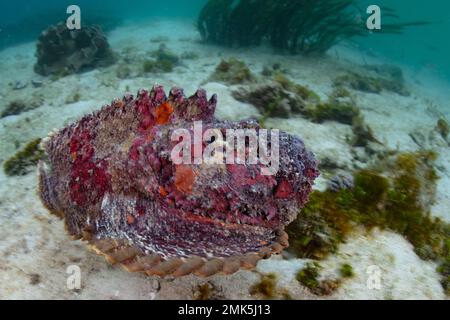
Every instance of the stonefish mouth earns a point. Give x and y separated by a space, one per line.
111 177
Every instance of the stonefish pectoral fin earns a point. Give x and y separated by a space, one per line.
111 177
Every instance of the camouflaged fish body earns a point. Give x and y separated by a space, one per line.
111 178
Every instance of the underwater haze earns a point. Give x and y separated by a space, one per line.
426 48
352 203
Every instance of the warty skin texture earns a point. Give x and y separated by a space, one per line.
111 178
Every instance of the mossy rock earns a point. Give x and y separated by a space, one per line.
272 100
164 62
232 72
280 98
21 162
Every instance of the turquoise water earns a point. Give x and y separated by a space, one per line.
370 98
424 47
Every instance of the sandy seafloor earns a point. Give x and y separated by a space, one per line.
35 249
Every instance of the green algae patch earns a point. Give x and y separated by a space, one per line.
342 112
362 133
303 91
164 61
17 107
443 128
266 287
154 66
346 271
21 162
309 278
395 195
372 84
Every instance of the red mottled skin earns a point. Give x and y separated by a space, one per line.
110 176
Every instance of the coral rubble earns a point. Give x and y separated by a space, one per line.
61 51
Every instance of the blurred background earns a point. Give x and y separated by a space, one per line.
425 47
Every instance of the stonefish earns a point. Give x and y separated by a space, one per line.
111 177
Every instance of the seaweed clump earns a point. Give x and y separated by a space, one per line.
19 106
309 278
444 267
21 162
266 287
14 108
335 110
232 72
190 55
346 270
283 98
400 203
341 107
362 133
307 27
443 128
373 84
204 292
308 275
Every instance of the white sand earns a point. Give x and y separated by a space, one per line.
34 242
402 275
